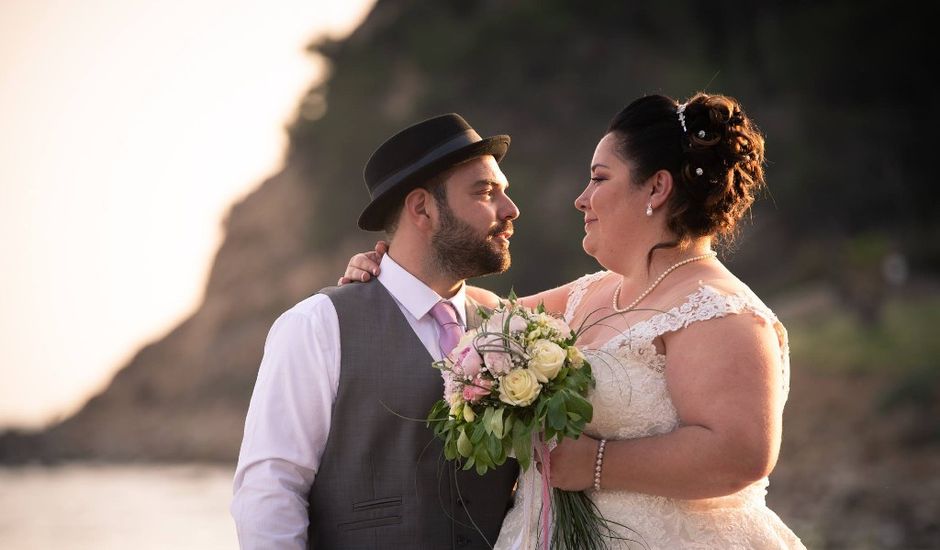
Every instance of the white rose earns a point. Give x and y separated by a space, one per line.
555 324
520 387
546 359
575 357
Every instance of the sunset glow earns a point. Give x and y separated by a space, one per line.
128 128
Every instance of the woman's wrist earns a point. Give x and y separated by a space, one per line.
599 463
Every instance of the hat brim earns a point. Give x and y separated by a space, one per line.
374 215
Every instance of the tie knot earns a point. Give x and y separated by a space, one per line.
445 314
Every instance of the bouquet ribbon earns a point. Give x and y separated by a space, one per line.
543 454
546 454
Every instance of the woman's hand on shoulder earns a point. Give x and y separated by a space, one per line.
364 265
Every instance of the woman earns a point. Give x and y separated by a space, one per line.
692 368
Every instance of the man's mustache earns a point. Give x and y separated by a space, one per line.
501 229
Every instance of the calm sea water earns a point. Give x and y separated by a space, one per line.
85 507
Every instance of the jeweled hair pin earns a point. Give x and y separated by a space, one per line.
680 110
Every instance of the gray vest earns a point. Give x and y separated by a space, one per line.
383 481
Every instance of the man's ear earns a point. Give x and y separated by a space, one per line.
661 188
420 209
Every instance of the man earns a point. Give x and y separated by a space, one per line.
335 454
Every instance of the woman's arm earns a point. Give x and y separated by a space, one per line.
554 299
723 376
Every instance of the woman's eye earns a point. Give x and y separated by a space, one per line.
597 180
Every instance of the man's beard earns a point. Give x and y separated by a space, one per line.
461 252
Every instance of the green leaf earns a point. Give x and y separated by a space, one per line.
496 423
522 430
581 406
557 414
478 434
522 443
464 447
482 456
493 449
450 452
540 408
502 450
523 454
487 417
508 424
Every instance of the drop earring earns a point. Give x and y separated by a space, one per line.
649 209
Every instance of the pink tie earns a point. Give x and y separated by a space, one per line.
451 331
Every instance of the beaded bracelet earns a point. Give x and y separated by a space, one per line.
598 464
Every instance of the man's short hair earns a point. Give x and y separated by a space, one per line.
435 185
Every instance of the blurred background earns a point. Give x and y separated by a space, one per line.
176 175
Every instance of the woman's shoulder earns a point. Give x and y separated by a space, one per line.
731 295
731 309
578 288
710 295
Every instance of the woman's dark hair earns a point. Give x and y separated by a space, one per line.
715 155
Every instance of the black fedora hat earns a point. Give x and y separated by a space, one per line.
417 153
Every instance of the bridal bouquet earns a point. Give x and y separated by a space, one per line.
513 387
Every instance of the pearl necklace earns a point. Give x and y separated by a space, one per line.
646 292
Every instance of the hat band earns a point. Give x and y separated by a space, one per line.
461 140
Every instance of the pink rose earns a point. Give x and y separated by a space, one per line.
497 362
477 390
496 323
468 362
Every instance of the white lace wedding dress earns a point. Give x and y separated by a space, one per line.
631 400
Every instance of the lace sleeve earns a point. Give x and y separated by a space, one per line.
577 290
709 303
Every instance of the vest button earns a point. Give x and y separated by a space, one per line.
462 541
463 503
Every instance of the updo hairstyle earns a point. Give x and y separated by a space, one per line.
714 152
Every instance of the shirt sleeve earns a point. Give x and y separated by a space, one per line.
287 427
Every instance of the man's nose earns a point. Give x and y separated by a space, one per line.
509 210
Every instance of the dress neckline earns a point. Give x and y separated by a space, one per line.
702 292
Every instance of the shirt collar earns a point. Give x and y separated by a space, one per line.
417 297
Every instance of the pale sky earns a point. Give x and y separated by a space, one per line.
127 129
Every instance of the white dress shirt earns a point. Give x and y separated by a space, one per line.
288 419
